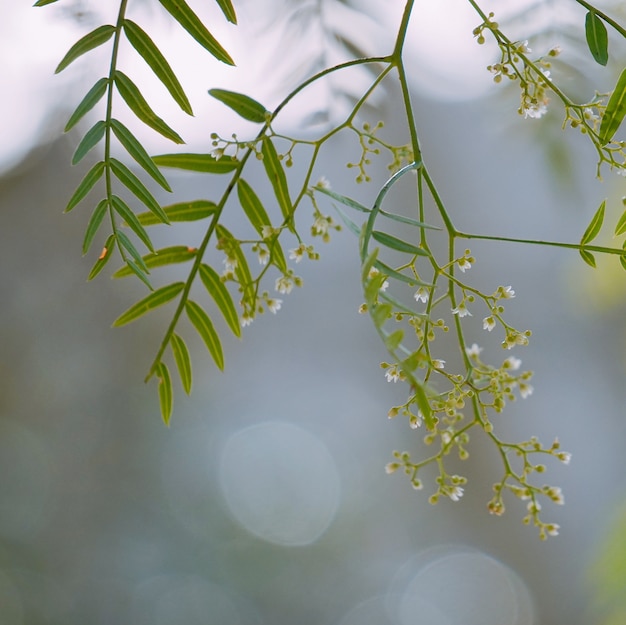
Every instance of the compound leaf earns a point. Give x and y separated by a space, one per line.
597 38
242 104
615 111
166 395
90 140
203 163
204 326
87 103
138 105
94 223
162 257
147 49
218 291
87 184
157 298
90 41
137 151
183 14
183 211
183 361
131 182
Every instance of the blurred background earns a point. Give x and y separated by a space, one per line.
266 501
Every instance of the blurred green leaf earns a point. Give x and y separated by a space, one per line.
620 228
182 211
41 3
615 110
242 104
183 361
157 298
380 313
588 257
166 395
131 182
88 182
87 103
183 14
103 259
595 225
137 151
131 219
147 49
218 291
228 10
204 326
393 340
90 140
90 41
204 163
278 179
138 105
597 38
127 244
396 275
160 258
397 244
94 223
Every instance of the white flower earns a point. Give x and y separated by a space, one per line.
564 457
274 305
218 153
489 323
267 232
556 495
421 295
322 183
284 285
504 292
393 374
464 264
264 256
416 420
473 351
553 529
525 390
297 253
535 110
523 47
320 225
456 493
461 310
512 363
246 319
392 467
417 484
384 286
438 363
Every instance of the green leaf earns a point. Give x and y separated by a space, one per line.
132 265
278 179
622 260
138 105
166 395
242 104
103 259
368 263
393 340
597 38
396 275
399 306
131 219
348 222
137 151
423 404
380 313
41 3
204 163
87 184
228 10
588 257
615 111
207 332
183 361
87 103
397 244
132 250
594 227
242 270
218 291
162 257
157 298
90 140
94 39
346 201
94 223
131 182
157 62
620 228
183 14
183 211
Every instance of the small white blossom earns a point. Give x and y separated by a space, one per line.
464 264
535 110
264 256
246 319
322 183
489 323
556 495
564 457
297 253
384 286
438 363
506 292
284 285
393 374
421 295
456 493
416 420
461 310
473 351
218 153
267 232
320 225
525 390
523 47
512 363
392 467
230 264
417 484
274 305
553 529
